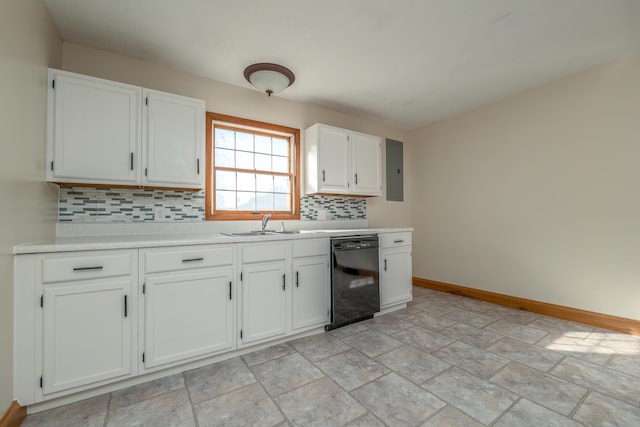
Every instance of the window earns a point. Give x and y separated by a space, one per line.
252 169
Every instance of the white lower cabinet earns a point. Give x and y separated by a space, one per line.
187 315
75 322
263 279
311 291
395 269
188 304
86 319
264 301
285 288
86 331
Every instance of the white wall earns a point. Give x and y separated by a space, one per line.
241 102
538 195
29 43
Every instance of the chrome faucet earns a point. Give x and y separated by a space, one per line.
265 220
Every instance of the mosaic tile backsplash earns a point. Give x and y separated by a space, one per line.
83 204
312 207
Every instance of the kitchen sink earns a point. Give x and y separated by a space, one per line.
261 233
250 233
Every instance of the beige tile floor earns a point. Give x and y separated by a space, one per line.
444 361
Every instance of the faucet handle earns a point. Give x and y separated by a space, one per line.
265 220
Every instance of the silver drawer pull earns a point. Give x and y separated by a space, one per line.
193 259
398 241
97 267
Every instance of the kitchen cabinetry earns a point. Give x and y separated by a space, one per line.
367 164
84 320
173 140
86 334
101 132
264 282
311 290
395 269
188 303
340 161
93 130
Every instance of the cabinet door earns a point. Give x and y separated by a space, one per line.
334 168
173 136
367 164
187 315
263 301
87 332
395 276
93 130
311 291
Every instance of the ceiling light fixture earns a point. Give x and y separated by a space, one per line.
269 78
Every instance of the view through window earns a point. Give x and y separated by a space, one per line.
252 169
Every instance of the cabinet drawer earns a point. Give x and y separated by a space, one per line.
392 240
311 247
262 252
186 257
93 265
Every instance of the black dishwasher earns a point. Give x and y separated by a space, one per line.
355 289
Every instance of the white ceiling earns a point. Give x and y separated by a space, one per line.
405 63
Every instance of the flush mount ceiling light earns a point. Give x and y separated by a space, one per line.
269 78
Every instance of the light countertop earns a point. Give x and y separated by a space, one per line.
86 243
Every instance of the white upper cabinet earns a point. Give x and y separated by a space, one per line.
340 161
101 132
334 155
367 164
93 130
173 132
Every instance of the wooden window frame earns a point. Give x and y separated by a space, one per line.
256 127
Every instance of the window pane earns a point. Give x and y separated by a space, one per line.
246 182
280 164
263 162
244 141
281 147
224 158
225 180
265 201
224 138
263 144
244 164
281 184
281 202
246 201
244 160
225 200
264 183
